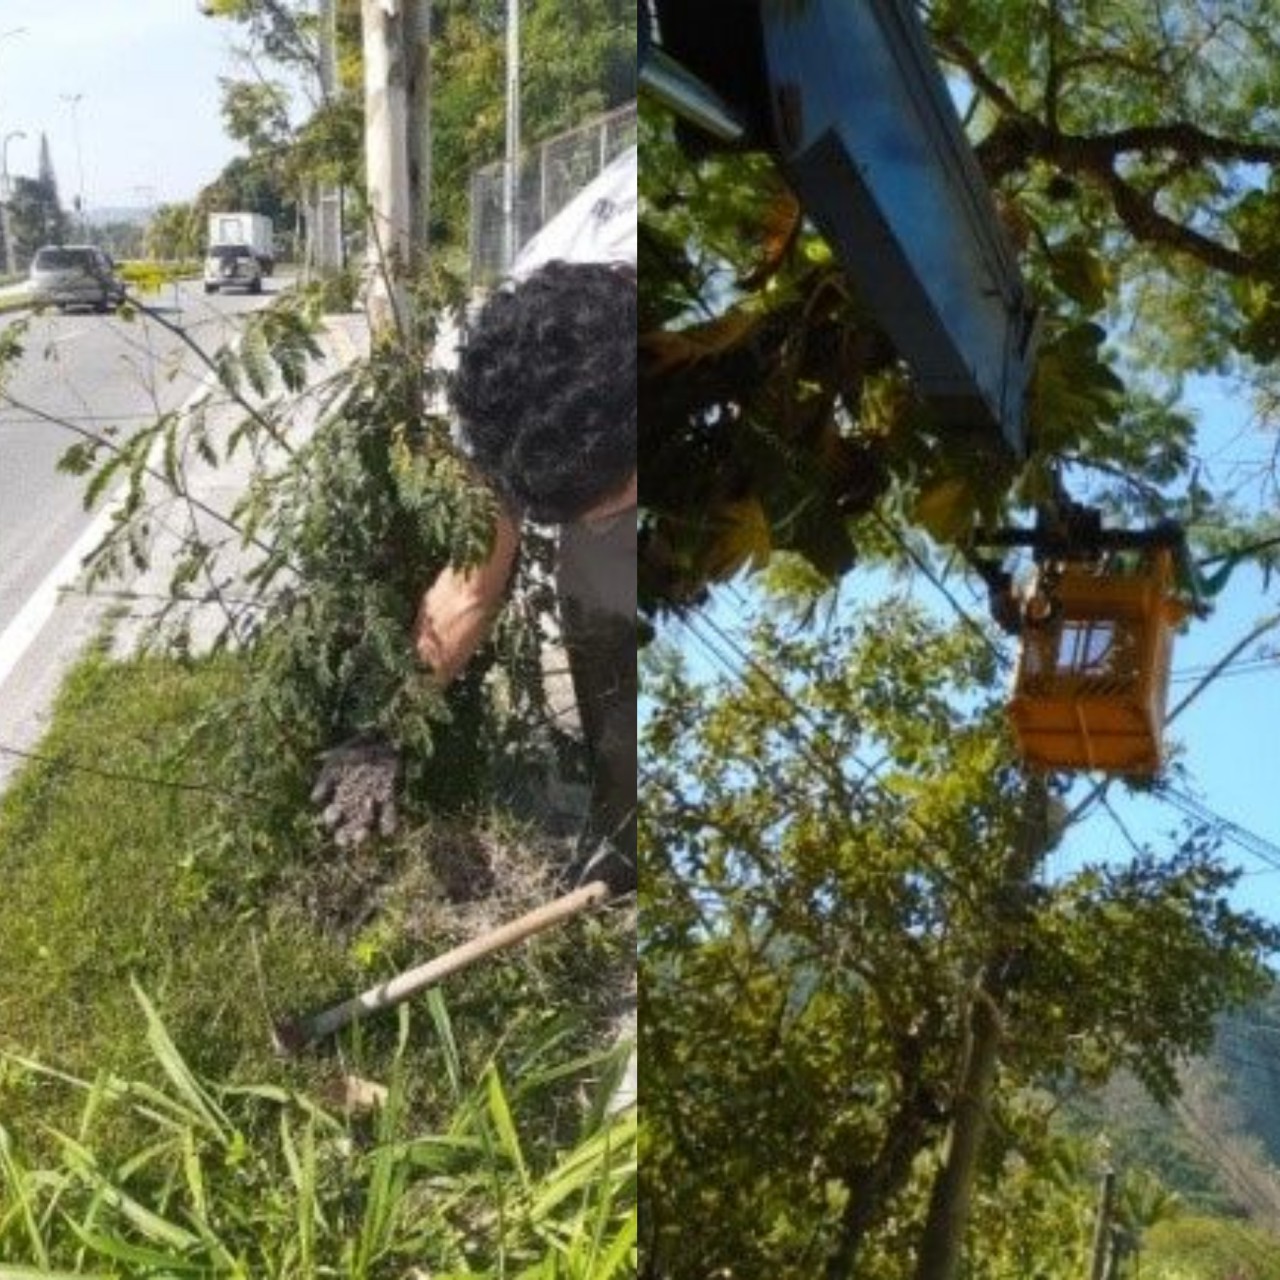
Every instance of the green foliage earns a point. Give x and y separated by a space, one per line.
176 231
1135 182
839 860
1210 1248
35 217
372 506
258 1180
353 501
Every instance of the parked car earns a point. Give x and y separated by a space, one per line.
232 266
75 275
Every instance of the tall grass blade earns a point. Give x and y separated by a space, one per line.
444 1029
16 1179
180 1075
620 1257
41 1273
500 1114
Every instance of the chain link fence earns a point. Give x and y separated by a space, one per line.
548 177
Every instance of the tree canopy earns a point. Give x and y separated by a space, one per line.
844 900
1131 147
577 59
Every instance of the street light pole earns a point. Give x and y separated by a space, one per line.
6 228
4 178
74 100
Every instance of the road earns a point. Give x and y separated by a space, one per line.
102 374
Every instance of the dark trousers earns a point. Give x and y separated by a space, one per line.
596 582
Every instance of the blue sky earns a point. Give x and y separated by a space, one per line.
149 122
1227 741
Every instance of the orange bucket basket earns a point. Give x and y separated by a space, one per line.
1093 679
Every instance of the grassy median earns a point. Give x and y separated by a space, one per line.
119 894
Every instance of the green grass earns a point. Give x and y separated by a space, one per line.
104 882
263 1182
114 885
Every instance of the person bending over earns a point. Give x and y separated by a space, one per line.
545 396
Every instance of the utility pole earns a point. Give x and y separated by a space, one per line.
418 62
387 161
511 170
327 229
6 197
1102 1241
74 100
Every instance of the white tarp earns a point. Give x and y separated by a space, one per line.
597 225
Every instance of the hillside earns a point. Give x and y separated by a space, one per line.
1218 1146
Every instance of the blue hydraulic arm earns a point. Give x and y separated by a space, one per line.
847 97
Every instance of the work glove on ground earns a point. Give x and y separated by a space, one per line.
357 784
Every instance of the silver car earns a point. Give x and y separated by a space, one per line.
75 275
232 266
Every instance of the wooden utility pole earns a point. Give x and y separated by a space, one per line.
387 162
1102 1252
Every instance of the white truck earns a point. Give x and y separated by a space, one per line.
252 229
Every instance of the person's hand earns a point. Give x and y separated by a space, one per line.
357 784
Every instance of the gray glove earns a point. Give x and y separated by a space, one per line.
357 785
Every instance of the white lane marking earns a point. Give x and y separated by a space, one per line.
30 620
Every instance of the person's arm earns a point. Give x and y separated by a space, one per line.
459 607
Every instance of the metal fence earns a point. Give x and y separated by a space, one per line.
548 177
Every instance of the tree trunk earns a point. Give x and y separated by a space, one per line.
387 162
942 1241
872 1188
952 1193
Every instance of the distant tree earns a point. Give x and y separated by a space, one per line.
35 217
175 231
121 239
247 183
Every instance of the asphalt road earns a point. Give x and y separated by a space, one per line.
102 374
97 373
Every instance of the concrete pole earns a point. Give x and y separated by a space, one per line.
75 99
511 169
386 160
327 227
6 196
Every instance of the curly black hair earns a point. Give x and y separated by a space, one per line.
546 389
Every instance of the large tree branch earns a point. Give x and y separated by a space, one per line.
1143 221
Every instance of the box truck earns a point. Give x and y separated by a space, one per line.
252 229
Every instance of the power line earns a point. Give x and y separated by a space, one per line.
1243 667
1259 846
67 764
